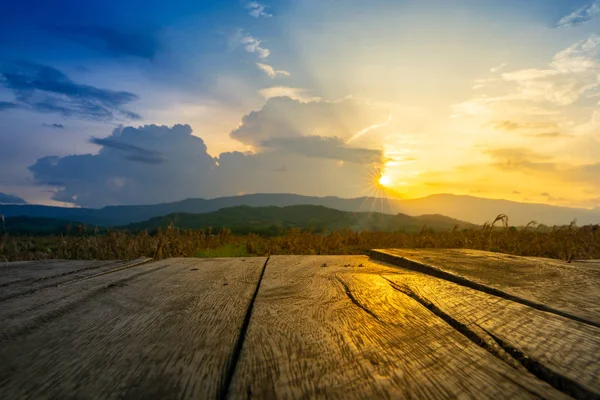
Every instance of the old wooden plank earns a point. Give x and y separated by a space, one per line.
161 330
558 349
595 264
332 327
549 285
18 271
17 279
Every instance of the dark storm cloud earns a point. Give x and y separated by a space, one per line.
131 152
45 89
110 41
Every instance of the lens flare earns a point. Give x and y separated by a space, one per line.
385 180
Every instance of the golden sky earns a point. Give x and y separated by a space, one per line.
490 99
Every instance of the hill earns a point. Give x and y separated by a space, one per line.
272 220
466 208
36 226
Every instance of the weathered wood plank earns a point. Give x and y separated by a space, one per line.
20 278
160 330
549 285
558 349
18 271
595 264
332 327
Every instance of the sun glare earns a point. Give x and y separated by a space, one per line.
385 180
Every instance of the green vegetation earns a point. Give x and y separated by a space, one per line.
273 221
37 226
244 220
564 242
226 250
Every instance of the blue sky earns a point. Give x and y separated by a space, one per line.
128 102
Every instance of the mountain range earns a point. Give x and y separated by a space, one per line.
465 208
273 220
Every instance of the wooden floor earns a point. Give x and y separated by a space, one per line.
418 324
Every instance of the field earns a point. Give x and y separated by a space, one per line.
564 242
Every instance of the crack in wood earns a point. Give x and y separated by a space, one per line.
356 302
558 381
413 265
239 344
502 350
479 338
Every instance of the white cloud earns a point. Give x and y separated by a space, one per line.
270 71
580 57
285 117
257 10
295 142
291 92
581 15
253 45
570 74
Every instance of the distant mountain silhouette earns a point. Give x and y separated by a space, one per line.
37 226
272 220
466 208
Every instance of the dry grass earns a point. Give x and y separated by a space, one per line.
565 242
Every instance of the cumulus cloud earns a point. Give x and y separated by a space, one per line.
131 152
581 15
257 10
323 147
45 89
253 45
286 117
110 41
113 177
301 165
270 71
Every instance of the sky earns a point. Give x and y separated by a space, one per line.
141 102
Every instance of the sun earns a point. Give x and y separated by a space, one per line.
384 180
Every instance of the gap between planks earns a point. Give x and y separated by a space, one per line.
512 356
239 344
413 265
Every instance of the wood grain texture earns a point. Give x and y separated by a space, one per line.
159 330
566 289
332 327
20 278
568 349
